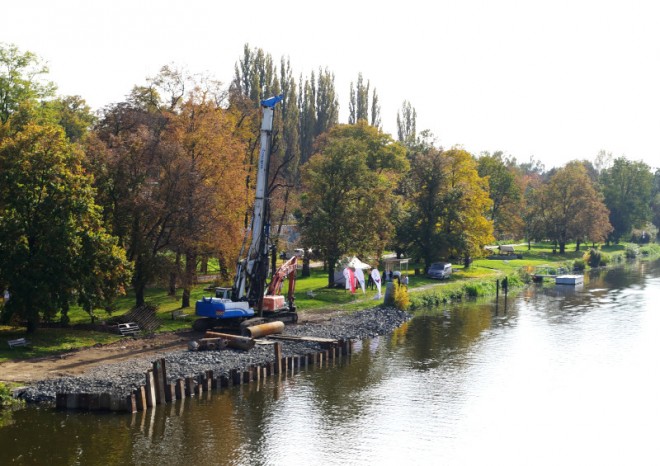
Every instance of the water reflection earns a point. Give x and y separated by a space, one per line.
565 376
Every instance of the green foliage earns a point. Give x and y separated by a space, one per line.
6 400
650 250
52 244
5 394
350 180
447 207
628 189
20 80
632 251
505 192
457 291
579 265
594 257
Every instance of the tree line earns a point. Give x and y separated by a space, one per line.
149 189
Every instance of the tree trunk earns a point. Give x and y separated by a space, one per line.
139 282
188 278
562 247
331 273
174 274
204 266
577 245
305 267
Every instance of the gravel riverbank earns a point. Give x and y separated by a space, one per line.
122 378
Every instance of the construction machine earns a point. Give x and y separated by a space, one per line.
245 302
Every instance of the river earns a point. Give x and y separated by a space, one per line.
561 376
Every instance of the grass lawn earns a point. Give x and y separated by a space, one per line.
312 295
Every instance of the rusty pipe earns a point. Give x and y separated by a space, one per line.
268 328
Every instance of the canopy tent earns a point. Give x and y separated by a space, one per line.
395 267
356 263
351 263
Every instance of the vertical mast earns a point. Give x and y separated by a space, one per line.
252 270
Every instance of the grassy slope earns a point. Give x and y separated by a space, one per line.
479 278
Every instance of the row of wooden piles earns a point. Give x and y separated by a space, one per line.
157 390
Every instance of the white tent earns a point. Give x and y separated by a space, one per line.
353 263
356 263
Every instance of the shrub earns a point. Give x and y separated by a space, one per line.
472 290
606 259
6 398
632 251
593 257
401 298
579 265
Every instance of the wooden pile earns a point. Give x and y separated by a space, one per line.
156 390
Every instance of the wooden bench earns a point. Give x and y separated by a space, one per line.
129 328
179 314
18 342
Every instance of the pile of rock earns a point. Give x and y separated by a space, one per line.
124 377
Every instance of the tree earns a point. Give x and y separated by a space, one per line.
358 107
348 192
448 206
655 203
21 80
627 187
327 104
375 110
569 208
53 247
504 191
73 114
126 156
406 123
208 159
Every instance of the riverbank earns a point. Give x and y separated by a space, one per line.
313 298
124 377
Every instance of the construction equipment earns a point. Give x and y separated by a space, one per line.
244 303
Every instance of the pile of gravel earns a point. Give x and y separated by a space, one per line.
124 377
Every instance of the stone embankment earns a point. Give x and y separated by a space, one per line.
121 379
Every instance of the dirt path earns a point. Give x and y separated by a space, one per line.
80 361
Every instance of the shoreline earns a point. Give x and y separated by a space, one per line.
122 378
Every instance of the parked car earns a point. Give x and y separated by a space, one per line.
439 270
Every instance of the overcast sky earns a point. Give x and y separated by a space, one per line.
556 80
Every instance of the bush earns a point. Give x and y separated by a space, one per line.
632 251
579 265
401 297
593 257
6 398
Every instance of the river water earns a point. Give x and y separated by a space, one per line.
560 376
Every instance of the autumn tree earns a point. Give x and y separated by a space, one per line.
348 192
627 187
448 206
207 162
124 154
505 192
569 208
53 247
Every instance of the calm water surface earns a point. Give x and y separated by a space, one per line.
562 376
